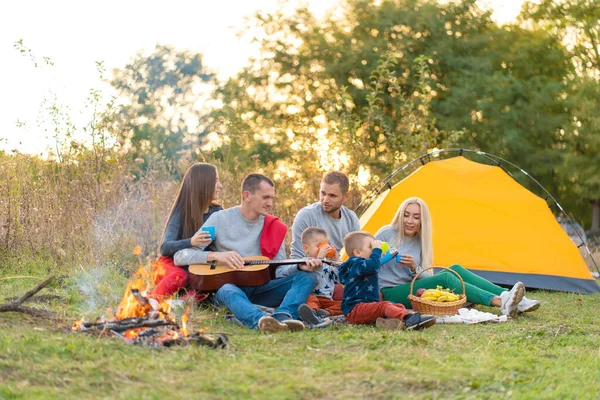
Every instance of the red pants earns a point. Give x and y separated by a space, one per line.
367 313
168 277
333 306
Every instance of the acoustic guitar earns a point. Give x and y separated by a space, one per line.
257 271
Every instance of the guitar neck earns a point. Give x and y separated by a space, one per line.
286 262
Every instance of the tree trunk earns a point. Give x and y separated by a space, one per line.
595 216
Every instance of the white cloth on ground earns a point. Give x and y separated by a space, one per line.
471 316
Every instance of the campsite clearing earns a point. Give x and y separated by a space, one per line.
551 353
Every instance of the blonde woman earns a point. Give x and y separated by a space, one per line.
411 233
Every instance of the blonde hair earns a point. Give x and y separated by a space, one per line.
425 231
354 240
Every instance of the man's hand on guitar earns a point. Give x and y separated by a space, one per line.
230 258
311 265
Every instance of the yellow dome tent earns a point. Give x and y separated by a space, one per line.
487 222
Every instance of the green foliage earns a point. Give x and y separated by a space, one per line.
509 101
393 79
581 144
576 24
158 110
395 125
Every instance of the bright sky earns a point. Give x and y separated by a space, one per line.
77 34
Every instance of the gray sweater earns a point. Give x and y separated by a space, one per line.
233 232
393 273
313 215
172 240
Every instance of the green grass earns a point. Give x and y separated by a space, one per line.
551 353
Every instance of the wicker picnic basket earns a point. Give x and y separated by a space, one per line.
428 307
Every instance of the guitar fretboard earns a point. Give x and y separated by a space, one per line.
280 262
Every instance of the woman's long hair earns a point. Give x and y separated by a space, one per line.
194 197
425 232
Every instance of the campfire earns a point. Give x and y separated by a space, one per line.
142 320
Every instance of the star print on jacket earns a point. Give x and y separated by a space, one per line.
327 277
359 290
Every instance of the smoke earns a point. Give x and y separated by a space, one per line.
100 287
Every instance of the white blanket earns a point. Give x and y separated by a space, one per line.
471 316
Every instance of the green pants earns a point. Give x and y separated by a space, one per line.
478 290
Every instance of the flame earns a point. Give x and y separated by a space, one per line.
136 304
137 250
77 325
130 307
132 334
169 335
158 272
184 320
165 306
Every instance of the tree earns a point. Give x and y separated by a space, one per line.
582 150
158 112
502 84
576 24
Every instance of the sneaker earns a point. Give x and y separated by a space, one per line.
268 324
293 324
323 313
511 300
325 322
527 305
308 315
418 322
389 323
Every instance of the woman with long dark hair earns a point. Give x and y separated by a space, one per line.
196 200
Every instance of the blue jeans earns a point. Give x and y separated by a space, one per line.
285 295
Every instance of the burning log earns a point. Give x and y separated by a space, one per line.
125 324
220 342
16 305
141 320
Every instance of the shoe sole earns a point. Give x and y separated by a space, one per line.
519 293
306 314
324 324
393 324
529 309
422 325
293 325
271 325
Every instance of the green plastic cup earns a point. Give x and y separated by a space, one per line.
385 247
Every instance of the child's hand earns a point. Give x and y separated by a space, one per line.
376 244
324 250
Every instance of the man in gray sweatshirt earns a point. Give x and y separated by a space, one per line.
237 234
329 214
333 217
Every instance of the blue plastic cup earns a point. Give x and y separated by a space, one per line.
211 230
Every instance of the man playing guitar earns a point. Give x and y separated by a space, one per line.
239 233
